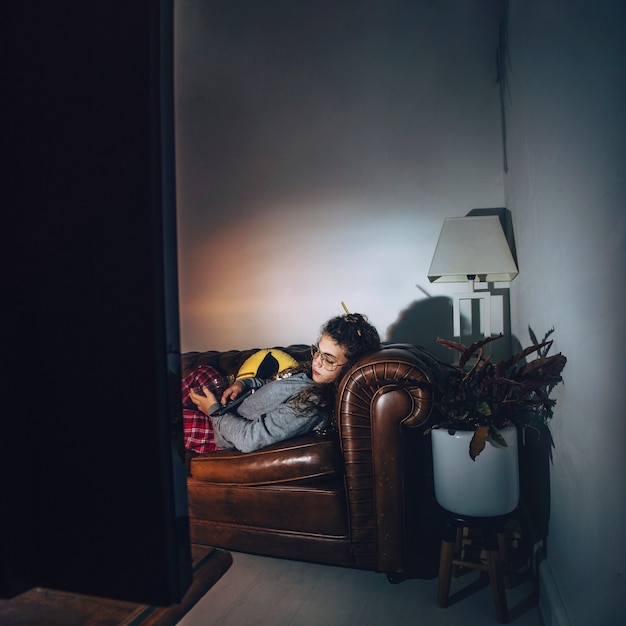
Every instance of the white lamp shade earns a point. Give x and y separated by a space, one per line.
472 246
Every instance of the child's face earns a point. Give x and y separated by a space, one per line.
329 355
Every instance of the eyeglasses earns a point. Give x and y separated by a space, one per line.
329 362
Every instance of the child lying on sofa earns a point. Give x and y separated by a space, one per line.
300 401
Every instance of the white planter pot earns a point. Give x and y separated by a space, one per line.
486 487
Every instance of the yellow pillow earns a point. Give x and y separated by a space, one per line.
265 364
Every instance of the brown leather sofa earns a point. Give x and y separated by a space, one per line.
359 497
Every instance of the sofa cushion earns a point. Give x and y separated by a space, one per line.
266 364
298 459
230 362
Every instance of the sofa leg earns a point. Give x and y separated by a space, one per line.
396 578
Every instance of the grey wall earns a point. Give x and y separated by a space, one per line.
320 145
566 188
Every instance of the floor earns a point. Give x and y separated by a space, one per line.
263 591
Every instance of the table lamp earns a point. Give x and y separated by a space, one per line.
470 249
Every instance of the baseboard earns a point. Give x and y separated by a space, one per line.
551 606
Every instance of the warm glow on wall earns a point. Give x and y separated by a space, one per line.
276 277
317 155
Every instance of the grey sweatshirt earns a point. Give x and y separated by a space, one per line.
267 416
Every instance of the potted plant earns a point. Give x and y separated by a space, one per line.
478 407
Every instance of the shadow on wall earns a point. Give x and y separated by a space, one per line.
422 322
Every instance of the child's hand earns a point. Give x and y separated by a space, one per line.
205 402
233 391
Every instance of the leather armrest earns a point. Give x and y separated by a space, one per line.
383 395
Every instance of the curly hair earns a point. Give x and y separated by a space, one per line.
353 333
357 337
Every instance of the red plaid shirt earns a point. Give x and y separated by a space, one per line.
197 427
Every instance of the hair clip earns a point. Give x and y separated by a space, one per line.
351 318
